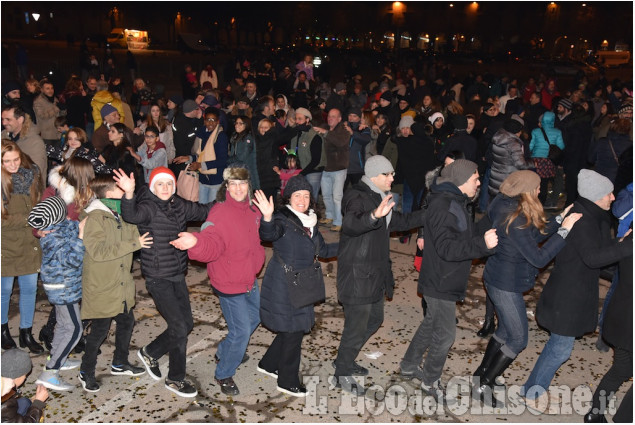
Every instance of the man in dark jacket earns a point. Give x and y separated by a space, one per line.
364 275
568 305
451 241
460 140
184 131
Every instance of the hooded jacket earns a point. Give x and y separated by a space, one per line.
539 147
507 157
99 100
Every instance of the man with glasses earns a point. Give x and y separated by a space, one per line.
364 274
152 153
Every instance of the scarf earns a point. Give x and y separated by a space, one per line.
22 180
309 221
159 145
208 153
383 195
113 204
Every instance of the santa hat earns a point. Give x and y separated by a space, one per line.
162 173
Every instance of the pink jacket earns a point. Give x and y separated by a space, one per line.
230 245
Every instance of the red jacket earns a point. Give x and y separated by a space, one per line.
230 245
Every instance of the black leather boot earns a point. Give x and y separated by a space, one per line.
27 340
7 341
492 348
594 418
489 327
484 391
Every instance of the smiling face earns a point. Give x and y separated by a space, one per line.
300 200
211 121
47 89
164 188
73 140
238 189
263 127
11 161
10 122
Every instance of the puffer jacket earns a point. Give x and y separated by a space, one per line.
539 147
107 285
98 102
452 242
297 250
514 266
62 259
364 273
507 157
164 220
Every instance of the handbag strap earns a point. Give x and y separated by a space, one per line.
544 133
614 154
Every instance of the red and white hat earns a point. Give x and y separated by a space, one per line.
162 173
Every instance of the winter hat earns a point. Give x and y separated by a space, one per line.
236 171
459 122
592 185
626 108
384 85
210 100
513 125
406 121
355 111
387 95
177 99
518 182
457 172
162 173
566 103
189 106
376 165
9 86
295 183
106 110
340 87
435 116
48 212
305 112
243 99
15 363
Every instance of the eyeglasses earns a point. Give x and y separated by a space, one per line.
210 119
389 174
150 136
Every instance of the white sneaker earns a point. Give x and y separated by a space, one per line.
69 364
51 380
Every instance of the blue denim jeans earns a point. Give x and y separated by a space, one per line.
513 329
410 199
483 196
557 351
28 289
332 193
315 180
242 314
207 193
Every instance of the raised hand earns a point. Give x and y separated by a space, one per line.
125 183
384 208
265 205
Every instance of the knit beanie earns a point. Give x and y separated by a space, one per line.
592 185
340 87
236 171
47 213
177 99
376 165
189 106
406 121
210 100
518 182
15 363
457 172
106 110
387 95
9 86
566 103
512 125
435 117
355 111
305 112
161 173
295 183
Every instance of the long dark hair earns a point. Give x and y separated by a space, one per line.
247 129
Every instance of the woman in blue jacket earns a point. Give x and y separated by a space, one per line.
539 148
521 226
296 241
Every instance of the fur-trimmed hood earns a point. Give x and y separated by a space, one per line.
61 185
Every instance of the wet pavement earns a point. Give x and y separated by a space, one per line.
390 398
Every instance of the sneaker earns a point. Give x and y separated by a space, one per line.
261 369
435 390
151 364
69 364
126 369
299 391
50 378
228 386
89 382
349 385
336 228
410 374
357 370
182 388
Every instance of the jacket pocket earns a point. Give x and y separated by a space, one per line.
367 280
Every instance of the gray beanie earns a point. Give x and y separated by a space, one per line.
15 363
457 172
189 106
376 165
566 103
592 185
47 213
295 183
406 121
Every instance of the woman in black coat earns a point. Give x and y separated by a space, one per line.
267 158
296 242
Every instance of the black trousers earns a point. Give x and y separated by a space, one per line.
98 333
173 302
361 321
284 355
620 372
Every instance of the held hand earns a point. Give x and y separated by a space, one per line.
491 239
41 393
276 169
125 183
185 241
628 232
570 220
265 206
82 224
180 159
42 233
384 208
145 240
420 243
194 166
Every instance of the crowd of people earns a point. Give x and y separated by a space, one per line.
90 177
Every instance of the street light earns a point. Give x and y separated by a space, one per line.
36 16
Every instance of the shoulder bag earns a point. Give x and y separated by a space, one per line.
187 184
555 153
